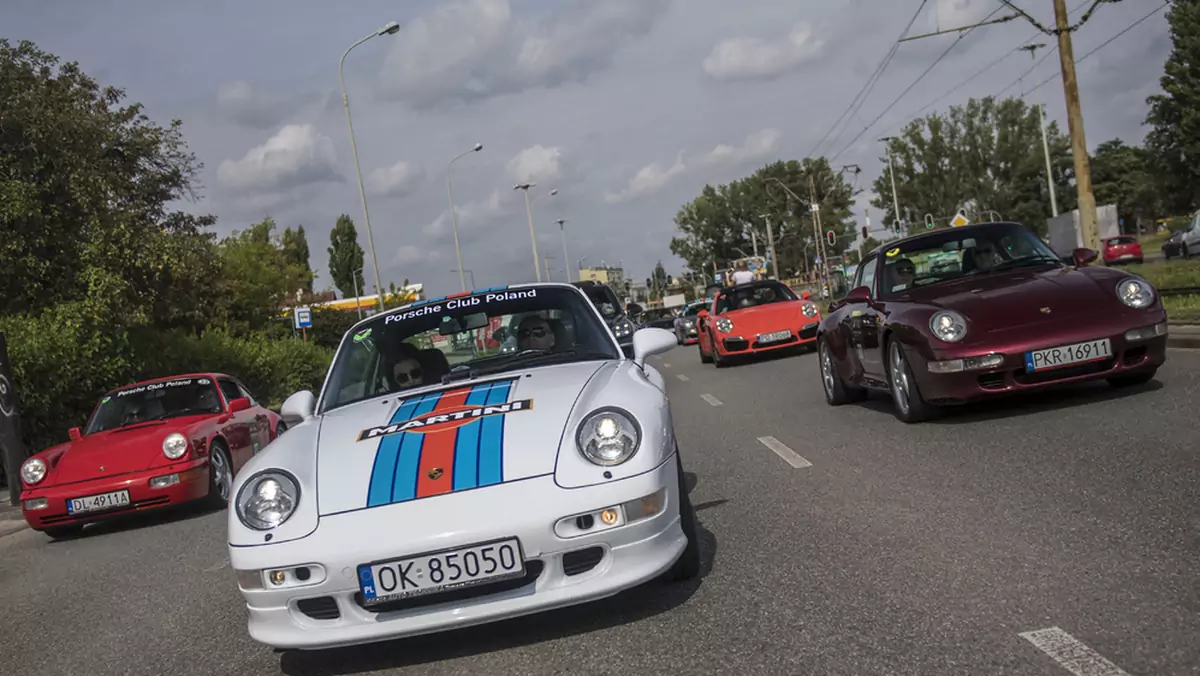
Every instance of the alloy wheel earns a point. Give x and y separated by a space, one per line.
900 384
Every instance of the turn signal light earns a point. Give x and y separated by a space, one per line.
609 516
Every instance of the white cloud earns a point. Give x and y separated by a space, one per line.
255 107
475 49
758 146
409 254
648 180
398 180
536 164
746 58
297 155
495 205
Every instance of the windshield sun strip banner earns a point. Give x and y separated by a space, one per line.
442 442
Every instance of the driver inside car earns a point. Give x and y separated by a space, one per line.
406 372
535 333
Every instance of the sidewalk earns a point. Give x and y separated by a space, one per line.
1183 336
11 520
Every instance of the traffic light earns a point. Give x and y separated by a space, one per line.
929 221
865 235
831 237
896 226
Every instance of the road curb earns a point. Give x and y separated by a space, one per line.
10 526
1186 341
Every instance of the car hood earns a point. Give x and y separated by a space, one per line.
436 440
1019 298
120 451
764 317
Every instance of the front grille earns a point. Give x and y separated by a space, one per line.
533 570
1024 378
992 381
320 608
735 344
85 516
583 560
809 331
1135 355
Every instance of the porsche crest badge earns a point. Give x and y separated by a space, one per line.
435 473
1045 310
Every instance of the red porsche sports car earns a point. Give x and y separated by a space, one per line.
148 445
960 314
753 318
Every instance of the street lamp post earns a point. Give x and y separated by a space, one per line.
469 272
892 173
771 245
566 259
391 28
532 233
1032 49
454 217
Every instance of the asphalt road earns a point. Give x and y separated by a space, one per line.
862 546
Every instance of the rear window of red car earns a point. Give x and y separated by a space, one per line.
1118 241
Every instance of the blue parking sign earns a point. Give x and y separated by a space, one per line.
303 317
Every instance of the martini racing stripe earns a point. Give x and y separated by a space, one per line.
469 455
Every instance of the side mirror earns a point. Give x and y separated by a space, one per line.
860 294
1083 256
75 434
651 341
634 310
702 314
239 404
298 407
805 295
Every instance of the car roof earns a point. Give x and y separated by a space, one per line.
929 234
750 285
462 294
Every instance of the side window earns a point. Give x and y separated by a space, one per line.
246 393
866 275
229 389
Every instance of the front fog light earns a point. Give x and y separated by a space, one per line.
1146 332
36 503
164 481
278 577
967 364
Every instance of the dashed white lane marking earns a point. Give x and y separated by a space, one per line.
219 566
682 377
789 456
1071 654
666 365
711 399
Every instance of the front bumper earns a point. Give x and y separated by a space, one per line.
736 344
1010 376
193 485
560 571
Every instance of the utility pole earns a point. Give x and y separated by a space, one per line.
771 246
1083 170
566 259
546 262
815 208
1032 49
892 173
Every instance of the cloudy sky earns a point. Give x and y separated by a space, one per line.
627 107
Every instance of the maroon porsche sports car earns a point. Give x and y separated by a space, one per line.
960 314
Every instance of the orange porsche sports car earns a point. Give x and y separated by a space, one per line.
756 317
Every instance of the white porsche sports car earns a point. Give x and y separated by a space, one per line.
427 489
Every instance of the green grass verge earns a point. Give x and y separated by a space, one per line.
1182 309
1169 274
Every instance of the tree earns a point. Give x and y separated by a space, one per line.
725 222
345 257
85 184
258 280
295 253
1174 115
1123 175
983 156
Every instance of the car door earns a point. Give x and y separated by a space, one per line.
260 423
860 325
236 429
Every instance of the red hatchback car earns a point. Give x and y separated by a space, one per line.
753 318
148 445
960 314
1122 249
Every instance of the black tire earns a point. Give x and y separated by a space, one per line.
62 532
1184 252
1133 380
719 361
837 392
704 358
907 402
687 566
220 476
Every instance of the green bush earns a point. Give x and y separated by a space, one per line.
61 365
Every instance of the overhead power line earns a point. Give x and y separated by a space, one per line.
862 94
914 84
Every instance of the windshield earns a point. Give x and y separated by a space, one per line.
465 337
955 254
154 401
1118 241
604 298
751 296
695 309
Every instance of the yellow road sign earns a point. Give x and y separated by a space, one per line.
960 219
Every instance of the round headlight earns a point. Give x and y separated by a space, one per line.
33 471
1135 293
948 326
267 499
724 325
175 446
608 437
809 310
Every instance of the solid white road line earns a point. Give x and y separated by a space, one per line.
682 377
711 399
789 456
1070 654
